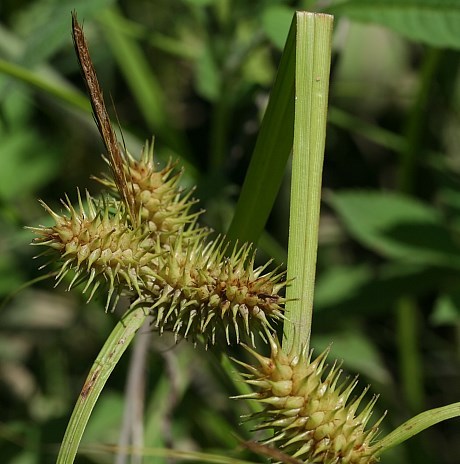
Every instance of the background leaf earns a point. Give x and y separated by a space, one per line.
433 22
46 25
397 226
276 20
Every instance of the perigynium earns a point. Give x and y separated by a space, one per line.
307 406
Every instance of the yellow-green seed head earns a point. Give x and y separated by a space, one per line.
189 285
196 290
306 405
144 242
164 209
98 245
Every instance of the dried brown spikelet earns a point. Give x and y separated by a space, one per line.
196 290
306 407
163 208
98 244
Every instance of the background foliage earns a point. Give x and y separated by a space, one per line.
196 73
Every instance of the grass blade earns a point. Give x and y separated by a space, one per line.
44 83
272 150
417 424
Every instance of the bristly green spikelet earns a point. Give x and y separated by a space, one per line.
164 208
195 290
306 405
98 244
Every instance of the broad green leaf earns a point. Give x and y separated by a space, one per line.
433 22
397 226
367 290
340 283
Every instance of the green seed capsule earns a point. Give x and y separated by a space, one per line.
308 412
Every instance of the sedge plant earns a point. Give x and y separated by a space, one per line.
142 240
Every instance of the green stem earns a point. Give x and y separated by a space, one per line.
313 57
110 354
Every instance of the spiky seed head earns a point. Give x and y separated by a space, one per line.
190 286
307 407
195 290
164 208
98 245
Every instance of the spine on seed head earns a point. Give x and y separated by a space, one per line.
307 406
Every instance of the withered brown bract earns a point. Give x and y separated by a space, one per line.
116 156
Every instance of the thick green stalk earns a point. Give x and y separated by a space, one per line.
313 56
103 366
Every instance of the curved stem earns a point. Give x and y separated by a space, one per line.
108 357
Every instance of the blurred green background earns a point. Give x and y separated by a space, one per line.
197 74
